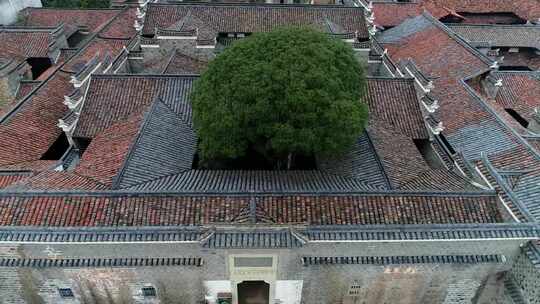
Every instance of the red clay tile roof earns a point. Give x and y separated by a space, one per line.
388 14
251 18
151 210
28 133
94 20
31 127
20 44
520 91
7 178
107 152
122 26
112 98
184 64
395 101
527 9
52 180
440 56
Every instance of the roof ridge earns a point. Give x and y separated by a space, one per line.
255 5
493 25
131 193
499 119
123 75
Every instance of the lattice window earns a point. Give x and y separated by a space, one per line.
65 292
149 291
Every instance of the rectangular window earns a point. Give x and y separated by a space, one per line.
149 291
65 292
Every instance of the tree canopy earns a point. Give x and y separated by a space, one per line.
293 91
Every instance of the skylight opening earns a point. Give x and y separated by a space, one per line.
57 149
38 65
522 121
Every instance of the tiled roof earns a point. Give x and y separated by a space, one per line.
211 18
361 163
500 35
389 14
439 179
392 13
165 145
527 9
25 87
398 154
92 20
108 151
63 209
272 236
29 128
394 101
184 64
9 177
23 43
112 98
235 181
52 180
520 91
28 131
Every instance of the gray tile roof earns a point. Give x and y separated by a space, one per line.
500 35
225 236
361 163
165 145
409 27
234 181
486 136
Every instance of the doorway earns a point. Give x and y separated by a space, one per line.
253 292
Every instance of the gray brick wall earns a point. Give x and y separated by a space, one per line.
324 284
526 276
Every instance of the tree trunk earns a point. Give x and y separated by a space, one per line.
289 160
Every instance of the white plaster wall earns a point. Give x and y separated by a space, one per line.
10 8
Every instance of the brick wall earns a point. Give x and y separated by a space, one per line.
526 275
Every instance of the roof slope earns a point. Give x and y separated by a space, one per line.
242 18
108 151
395 101
105 104
165 145
93 20
65 209
20 44
520 91
500 35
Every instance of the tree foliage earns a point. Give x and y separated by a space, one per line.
287 92
77 3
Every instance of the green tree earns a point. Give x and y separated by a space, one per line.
288 92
